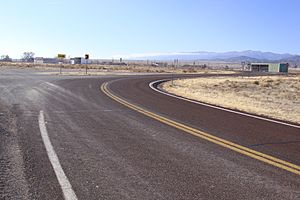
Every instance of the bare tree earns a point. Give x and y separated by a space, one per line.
5 58
28 57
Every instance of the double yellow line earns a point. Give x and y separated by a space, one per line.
216 140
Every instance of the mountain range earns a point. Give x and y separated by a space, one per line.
232 56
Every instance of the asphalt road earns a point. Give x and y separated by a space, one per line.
108 151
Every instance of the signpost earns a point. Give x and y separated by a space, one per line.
60 57
86 57
176 63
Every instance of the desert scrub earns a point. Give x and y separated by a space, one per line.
256 82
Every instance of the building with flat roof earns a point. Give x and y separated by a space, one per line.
38 60
270 67
79 60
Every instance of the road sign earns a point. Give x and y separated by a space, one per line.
62 56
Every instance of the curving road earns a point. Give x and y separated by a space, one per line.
109 151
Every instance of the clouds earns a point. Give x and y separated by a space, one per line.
142 55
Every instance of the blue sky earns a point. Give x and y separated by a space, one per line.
120 27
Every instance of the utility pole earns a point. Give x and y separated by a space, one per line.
173 71
60 64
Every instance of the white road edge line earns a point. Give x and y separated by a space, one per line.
216 107
65 185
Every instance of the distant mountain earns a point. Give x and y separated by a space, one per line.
293 59
243 58
251 56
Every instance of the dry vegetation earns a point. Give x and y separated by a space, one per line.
274 96
94 69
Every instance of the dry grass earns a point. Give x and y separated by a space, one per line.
274 96
94 69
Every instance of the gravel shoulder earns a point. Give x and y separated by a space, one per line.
13 183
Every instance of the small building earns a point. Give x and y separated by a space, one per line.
38 60
78 60
270 67
279 67
259 67
50 60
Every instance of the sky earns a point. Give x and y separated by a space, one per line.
113 28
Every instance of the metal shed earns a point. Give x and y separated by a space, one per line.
259 67
270 67
278 67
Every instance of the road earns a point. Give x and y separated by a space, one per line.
109 151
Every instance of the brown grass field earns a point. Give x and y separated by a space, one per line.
94 69
273 96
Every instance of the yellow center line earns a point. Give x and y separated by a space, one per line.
216 140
